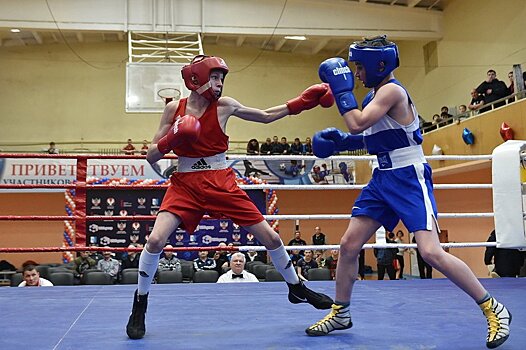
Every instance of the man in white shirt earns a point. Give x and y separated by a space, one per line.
32 278
237 272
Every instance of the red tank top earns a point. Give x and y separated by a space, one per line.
212 140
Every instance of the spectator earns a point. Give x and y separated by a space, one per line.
295 256
319 258
275 146
511 87
203 262
492 89
297 239
444 114
477 101
318 238
305 264
144 148
221 258
423 124
237 271
436 120
32 278
252 255
307 147
361 264
385 258
83 263
332 261
52 148
109 265
502 262
253 147
296 147
400 254
129 148
169 262
6 266
131 260
462 112
266 148
285 147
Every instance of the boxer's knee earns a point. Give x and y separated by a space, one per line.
349 247
155 243
433 256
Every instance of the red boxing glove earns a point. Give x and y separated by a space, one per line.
319 94
186 129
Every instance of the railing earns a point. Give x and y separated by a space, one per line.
106 147
468 114
90 147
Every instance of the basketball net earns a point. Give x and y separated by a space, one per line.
169 94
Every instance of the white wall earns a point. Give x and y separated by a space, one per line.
47 93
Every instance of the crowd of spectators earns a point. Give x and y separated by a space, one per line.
229 266
277 146
130 149
483 98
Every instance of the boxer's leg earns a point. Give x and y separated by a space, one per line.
298 292
165 224
360 229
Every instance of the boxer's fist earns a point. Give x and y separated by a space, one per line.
322 147
319 94
326 142
185 129
339 76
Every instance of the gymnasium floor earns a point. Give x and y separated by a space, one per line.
410 314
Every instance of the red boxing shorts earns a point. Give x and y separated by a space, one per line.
215 192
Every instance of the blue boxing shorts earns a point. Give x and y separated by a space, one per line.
404 193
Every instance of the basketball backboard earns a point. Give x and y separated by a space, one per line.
143 82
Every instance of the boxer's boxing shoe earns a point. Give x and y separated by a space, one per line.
499 319
339 318
136 326
299 293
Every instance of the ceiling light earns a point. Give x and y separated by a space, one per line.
296 37
15 30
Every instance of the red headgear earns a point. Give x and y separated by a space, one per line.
196 75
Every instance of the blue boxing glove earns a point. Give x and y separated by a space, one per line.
337 73
326 142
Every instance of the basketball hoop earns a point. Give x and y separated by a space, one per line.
169 94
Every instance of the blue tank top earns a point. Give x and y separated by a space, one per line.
387 134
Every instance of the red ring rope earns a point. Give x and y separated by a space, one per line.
112 249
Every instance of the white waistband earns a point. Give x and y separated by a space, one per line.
187 164
399 158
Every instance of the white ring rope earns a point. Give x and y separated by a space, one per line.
364 158
373 245
348 216
354 187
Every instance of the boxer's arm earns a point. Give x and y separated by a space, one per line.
153 154
388 99
313 96
228 106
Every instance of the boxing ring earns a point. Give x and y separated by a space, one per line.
400 314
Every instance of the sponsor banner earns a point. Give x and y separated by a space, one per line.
63 171
33 171
117 233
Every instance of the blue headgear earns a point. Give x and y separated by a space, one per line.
370 56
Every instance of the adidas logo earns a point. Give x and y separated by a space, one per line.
201 165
